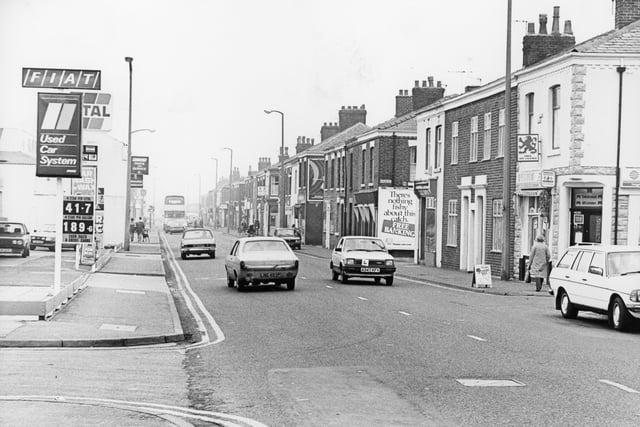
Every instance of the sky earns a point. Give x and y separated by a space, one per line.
204 71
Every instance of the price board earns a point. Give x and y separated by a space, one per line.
77 219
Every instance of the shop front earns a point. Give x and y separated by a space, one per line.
586 215
427 220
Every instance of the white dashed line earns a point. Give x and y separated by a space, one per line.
303 278
620 386
330 287
404 313
473 337
363 299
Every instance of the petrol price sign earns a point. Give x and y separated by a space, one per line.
77 219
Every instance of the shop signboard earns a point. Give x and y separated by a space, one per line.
85 186
548 178
58 78
481 276
77 219
59 135
397 218
528 147
89 153
136 180
96 111
631 177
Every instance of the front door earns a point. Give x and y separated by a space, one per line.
586 226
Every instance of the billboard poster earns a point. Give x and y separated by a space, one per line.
397 218
85 186
316 179
59 135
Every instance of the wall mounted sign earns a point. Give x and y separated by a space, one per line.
528 147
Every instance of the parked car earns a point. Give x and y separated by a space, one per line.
14 239
197 241
257 260
599 278
362 256
289 235
46 237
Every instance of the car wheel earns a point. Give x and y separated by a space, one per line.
291 284
32 247
389 281
376 280
52 248
25 252
567 308
212 254
345 278
183 256
334 275
241 284
619 317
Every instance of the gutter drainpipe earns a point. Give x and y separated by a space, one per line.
620 71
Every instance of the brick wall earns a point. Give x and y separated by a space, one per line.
623 219
492 168
627 11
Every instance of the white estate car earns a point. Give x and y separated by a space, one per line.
599 278
362 256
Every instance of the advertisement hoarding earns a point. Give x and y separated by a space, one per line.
85 186
96 111
316 179
397 218
59 135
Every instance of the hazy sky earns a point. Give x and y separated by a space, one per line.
204 71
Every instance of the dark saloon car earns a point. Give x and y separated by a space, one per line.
289 235
14 239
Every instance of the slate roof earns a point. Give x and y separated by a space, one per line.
338 139
623 40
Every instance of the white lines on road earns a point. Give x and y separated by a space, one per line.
302 278
620 386
330 287
475 382
404 313
473 337
363 299
127 291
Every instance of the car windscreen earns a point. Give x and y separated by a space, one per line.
265 245
11 229
287 232
369 245
623 263
198 234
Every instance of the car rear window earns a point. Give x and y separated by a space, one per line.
265 245
198 234
567 260
11 228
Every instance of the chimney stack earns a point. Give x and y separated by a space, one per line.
425 95
350 116
627 12
328 130
537 47
264 163
304 143
404 103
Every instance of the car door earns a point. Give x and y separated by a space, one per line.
336 255
561 275
583 289
598 281
231 262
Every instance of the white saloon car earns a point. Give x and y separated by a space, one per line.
362 256
197 241
256 260
599 278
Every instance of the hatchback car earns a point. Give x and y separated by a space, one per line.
362 256
197 241
256 260
599 278
45 237
289 235
14 239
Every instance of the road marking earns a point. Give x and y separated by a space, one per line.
330 287
112 327
404 313
620 386
433 285
181 278
474 382
126 291
363 299
476 338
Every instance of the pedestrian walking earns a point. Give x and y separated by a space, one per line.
132 229
539 258
140 229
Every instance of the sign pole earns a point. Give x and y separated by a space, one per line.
58 249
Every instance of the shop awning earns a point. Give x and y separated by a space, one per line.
372 210
356 211
365 213
529 193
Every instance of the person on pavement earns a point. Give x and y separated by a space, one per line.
132 229
539 258
140 229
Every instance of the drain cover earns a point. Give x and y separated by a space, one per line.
471 382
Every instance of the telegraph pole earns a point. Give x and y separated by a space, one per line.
506 166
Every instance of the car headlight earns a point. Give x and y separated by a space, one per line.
17 242
635 295
389 263
350 261
50 239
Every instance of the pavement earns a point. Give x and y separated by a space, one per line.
127 302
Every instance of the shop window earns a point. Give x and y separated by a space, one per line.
454 143
452 223
498 226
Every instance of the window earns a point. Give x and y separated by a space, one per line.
413 157
567 259
428 149
529 111
454 143
585 262
473 142
364 163
498 226
340 173
555 112
351 171
438 154
486 153
452 224
597 263
327 184
371 165
501 130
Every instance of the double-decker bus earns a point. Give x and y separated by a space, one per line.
174 216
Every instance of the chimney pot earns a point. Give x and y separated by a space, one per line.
567 27
325 123
430 78
424 83
400 92
531 28
342 107
543 23
417 83
439 83
555 26
355 107
363 107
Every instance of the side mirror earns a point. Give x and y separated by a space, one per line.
596 270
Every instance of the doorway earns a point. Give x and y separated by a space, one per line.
586 215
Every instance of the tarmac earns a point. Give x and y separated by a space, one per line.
125 303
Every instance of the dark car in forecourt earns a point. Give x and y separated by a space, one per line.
14 239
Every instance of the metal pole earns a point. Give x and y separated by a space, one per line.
57 269
620 71
229 198
127 199
281 187
215 192
506 165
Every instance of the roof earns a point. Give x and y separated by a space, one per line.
623 40
16 158
607 248
338 139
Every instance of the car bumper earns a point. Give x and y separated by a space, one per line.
12 250
358 271
634 309
197 250
175 229
267 275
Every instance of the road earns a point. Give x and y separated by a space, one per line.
354 355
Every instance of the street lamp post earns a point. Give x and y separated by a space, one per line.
127 198
215 191
506 161
230 178
281 184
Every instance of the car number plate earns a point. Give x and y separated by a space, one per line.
5 249
369 270
268 275
37 241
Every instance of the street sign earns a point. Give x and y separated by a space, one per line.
59 135
140 165
96 111
77 219
89 153
57 78
548 178
528 147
